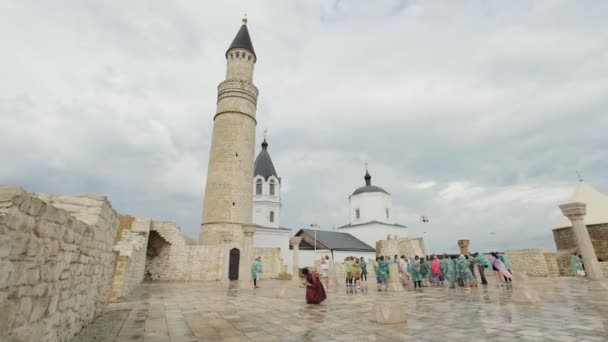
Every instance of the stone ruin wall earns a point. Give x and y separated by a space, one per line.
565 241
171 256
533 262
131 246
401 246
56 263
272 262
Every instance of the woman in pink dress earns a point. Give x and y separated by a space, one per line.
499 268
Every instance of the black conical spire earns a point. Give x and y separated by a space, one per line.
263 165
242 40
368 178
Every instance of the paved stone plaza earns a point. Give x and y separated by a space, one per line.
197 311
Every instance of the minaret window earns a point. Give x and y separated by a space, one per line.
271 187
388 213
357 213
258 187
272 216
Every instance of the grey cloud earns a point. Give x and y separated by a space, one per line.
117 98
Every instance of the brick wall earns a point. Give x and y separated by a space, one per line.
532 261
56 263
565 239
272 261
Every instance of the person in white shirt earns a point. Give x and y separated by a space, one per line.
325 270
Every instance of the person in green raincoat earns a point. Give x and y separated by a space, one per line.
414 268
577 265
256 271
425 270
349 272
382 271
482 264
465 271
447 269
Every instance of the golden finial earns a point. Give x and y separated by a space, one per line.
245 19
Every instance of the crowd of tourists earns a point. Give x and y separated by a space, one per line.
433 270
453 271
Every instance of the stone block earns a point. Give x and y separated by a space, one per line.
8 314
39 308
24 311
8 192
6 269
388 313
5 245
32 206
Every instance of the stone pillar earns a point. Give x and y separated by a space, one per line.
395 281
246 257
575 212
295 242
464 246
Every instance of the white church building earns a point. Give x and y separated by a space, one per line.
371 214
267 207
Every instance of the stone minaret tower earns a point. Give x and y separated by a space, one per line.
227 206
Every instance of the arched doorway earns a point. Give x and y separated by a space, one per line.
233 270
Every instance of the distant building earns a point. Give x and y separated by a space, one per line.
371 214
335 244
267 206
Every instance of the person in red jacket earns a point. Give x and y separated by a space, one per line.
436 271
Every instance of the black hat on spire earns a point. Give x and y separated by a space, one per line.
242 40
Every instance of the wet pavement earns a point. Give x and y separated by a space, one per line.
202 311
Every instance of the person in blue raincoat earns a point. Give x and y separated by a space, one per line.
256 271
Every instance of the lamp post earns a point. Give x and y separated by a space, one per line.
315 226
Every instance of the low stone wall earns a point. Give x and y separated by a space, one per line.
604 268
171 257
563 262
552 266
531 262
401 246
131 249
272 261
56 263
598 233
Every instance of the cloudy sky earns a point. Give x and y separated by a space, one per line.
475 113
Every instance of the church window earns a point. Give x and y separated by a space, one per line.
272 216
357 213
272 187
258 187
388 213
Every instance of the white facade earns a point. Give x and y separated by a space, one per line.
308 257
373 231
371 215
267 207
371 206
265 237
267 201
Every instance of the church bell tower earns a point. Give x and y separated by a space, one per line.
227 206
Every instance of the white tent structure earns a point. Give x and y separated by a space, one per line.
597 205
